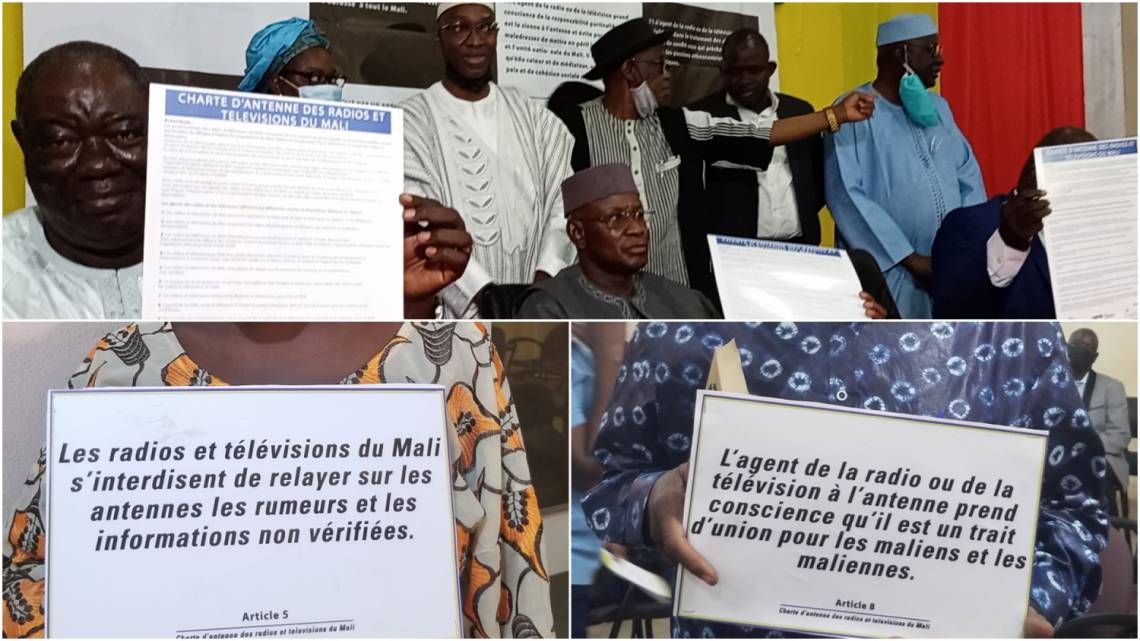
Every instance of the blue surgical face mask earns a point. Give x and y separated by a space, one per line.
916 99
321 92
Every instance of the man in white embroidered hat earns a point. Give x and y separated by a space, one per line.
492 154
891 179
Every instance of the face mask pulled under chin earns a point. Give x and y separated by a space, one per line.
644 99
321 92
916 100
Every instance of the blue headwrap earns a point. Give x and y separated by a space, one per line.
274 46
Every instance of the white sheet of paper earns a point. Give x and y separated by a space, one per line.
648 582
776 568
1091 234
377 95
359 578
272 208
763 279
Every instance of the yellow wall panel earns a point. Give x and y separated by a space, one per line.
13 65
1117 349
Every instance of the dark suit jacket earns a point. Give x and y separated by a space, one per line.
961 285
731 193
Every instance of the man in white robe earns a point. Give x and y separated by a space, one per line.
81 118
494 155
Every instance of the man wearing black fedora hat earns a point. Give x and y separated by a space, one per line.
666 146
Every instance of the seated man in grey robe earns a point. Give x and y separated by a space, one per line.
606 223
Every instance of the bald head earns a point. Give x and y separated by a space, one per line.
1085 338
745 68
742 39
1058 136
1082 348
72 58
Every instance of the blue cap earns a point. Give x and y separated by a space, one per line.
907 26
274 46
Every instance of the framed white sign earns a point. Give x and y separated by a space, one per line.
849 522
248 512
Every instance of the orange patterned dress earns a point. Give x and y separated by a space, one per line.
505 587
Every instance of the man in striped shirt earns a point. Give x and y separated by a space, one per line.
666 146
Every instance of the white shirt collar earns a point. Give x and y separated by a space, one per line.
444 95
774 102
40 244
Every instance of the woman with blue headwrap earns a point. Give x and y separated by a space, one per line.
291 58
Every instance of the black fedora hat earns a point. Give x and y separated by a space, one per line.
622 43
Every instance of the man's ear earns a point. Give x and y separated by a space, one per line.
577 234
18 134
630 73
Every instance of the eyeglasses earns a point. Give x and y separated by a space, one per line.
315 78
619 221
461 31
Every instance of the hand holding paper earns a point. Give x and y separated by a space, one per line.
437 247
1023 217
664 510
872 307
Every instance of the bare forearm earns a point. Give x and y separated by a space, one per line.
786 130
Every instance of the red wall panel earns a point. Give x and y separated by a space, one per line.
1012 73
